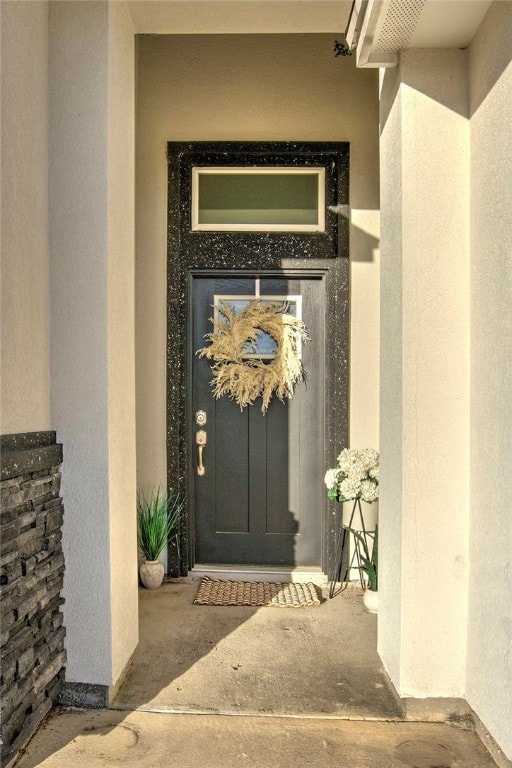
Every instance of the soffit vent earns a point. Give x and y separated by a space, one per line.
399 24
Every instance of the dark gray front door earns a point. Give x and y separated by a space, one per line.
258 501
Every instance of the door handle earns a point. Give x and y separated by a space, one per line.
200 442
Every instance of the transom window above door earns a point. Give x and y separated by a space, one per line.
264 199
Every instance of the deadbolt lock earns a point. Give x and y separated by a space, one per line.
201 418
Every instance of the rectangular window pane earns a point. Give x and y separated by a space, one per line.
258 199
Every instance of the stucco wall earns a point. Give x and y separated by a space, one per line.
489 661
252 87
425 374
92 328
121 335
25 401
208 17
391 393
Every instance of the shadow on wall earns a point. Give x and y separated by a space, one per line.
494 59
465 101
362 245
424 71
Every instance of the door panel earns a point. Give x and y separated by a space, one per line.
258 500
232 467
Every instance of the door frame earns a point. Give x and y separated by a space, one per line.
192 254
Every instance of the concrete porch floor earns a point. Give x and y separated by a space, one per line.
274 661
264 688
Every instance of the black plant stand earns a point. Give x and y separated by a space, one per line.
359 553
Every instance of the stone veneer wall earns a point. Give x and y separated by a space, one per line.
31 579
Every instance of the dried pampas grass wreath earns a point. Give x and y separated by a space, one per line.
245 379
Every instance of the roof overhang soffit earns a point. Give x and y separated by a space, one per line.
379 29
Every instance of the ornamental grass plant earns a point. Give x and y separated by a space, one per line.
158 516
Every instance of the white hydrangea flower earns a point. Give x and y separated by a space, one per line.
358 471
356 474
350 488
369 491
349 464
331 478
374 473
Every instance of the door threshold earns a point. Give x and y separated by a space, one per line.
274 573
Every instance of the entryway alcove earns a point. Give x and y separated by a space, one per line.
261 501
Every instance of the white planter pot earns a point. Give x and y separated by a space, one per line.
371 601
151 573
369 513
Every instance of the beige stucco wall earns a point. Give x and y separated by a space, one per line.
252 87
208 17
425 374
92 328
25 393
391 364
489 664
78 220
121 335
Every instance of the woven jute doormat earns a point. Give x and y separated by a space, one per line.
256 593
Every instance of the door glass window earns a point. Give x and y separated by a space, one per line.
258 199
